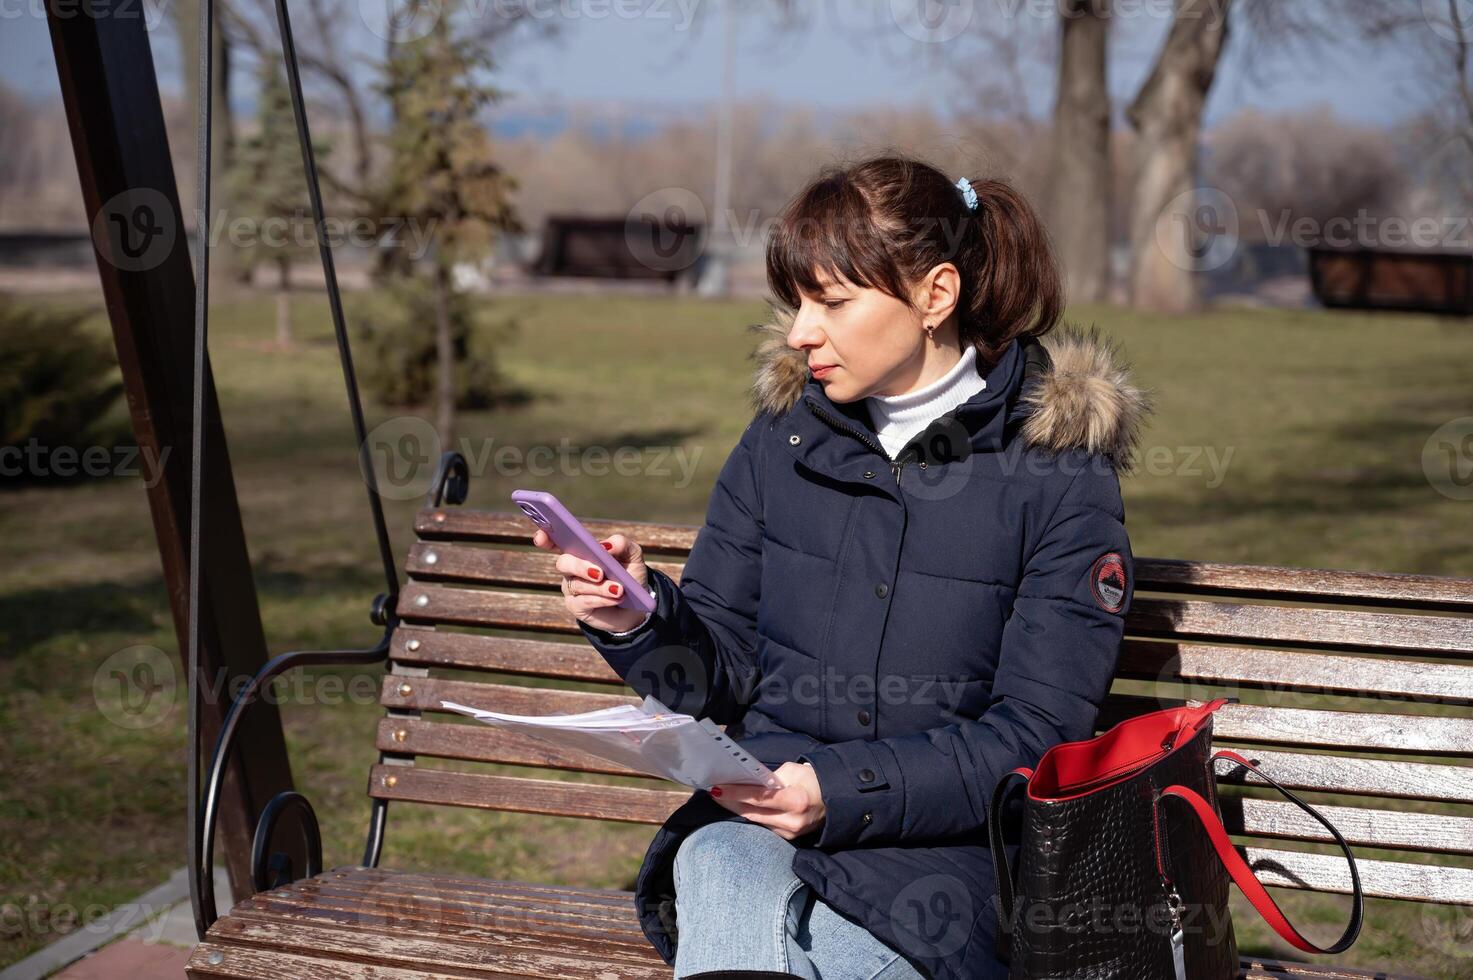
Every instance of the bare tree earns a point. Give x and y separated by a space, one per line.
349 82
1442 33
1077 195
1166 223
1167 117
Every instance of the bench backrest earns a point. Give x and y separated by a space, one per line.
1355 684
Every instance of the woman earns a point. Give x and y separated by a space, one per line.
913 577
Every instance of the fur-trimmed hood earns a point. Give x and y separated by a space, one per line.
1077 391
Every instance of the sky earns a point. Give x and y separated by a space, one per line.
845 54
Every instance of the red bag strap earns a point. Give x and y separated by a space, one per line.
1248 882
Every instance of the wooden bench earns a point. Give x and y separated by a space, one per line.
1393 652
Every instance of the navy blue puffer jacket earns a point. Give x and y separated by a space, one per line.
914 628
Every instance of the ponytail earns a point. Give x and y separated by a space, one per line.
1019 291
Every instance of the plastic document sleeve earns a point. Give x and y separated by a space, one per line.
648 738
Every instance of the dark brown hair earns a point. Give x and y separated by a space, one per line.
888 220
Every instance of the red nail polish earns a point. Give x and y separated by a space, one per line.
614 588
715 790
607 546
595 573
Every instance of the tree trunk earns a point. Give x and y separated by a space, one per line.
1077 200
1165 227
283 302
445 421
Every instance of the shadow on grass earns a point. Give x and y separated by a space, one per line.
1352 485
31 617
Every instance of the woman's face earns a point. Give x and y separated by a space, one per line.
870 342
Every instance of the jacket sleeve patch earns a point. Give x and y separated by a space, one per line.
1107 581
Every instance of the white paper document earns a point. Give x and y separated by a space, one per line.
647 737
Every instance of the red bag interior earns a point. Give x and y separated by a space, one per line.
1074 769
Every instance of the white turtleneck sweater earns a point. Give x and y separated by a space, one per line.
899 418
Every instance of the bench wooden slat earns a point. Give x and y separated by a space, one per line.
582 899
1304 870
391 901
1290 626
482 743
446 561
426 693
513 527
1277 670
1320 585
519 794
1384 778
248 962
1312 727
419 603
1256 724
371 949
1393 778
1434 833
1299 626
576 661
469 921
1258 968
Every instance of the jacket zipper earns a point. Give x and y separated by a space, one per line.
895 464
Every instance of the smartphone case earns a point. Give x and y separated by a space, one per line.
548 513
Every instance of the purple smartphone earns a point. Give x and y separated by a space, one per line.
548 513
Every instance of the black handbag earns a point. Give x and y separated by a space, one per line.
1114 880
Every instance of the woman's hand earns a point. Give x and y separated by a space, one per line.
790 812
588 596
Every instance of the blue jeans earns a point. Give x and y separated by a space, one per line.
739 906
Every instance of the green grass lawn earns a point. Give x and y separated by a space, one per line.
1290 438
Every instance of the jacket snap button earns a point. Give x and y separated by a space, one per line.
869 474
881 589
794 439
867 817
866 775
864 720
923 464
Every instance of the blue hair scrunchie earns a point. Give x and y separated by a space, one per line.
968 194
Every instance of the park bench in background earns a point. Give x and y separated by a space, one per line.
1419 280
618 248
1393 652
